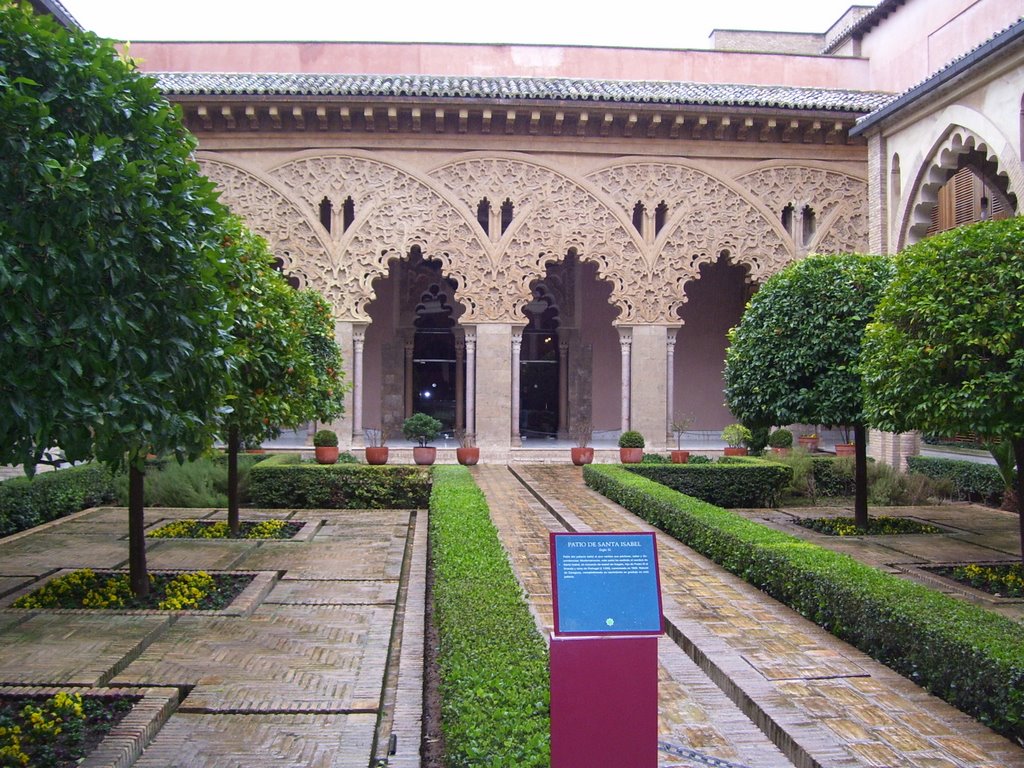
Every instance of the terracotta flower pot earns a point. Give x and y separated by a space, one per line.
581 456
846 449
808 443
468 456
735 451
424 454
377 454
326 454
781 451
631 455
680 457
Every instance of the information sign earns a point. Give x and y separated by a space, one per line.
605 583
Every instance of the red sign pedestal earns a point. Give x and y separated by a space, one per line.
604 701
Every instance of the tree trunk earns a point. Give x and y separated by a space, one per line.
234 443
860 476
1018 454
137 574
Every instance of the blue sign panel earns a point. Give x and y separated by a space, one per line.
605 583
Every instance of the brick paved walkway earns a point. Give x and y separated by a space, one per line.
309 673
820 701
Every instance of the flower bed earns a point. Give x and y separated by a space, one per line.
56 731
209 529
195 590
1002 579
877 526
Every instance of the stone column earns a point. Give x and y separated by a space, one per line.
471 379
648 400
493 389
460 385
517 343
408 379
625 346
670 379
563 389
343 336
892 448
358 344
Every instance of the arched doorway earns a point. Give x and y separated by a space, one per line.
540 376
435 376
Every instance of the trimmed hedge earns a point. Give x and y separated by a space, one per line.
971 657
276 484
735 482
26 503
493 662
972 481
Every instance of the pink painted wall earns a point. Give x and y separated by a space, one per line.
495 60
922 36
716 303
596 318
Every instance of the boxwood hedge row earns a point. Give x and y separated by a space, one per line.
25 503
972 658
735 483
971 481
493 662
337 486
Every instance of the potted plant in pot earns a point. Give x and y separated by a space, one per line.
680 423
422 429
582 453
808 442
846 448
735 435
467 453
631 447
781 441
325 446
376 446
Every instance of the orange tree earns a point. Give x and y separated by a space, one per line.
114 321
945 352
288 365
793 357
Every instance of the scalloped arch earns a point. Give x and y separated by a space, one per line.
934 172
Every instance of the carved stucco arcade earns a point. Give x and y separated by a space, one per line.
555 212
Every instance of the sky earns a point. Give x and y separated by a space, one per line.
650 24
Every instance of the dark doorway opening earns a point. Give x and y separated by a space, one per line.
538 368
433 359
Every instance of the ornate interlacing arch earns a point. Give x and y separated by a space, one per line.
939 165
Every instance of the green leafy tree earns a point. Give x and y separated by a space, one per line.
793 357
945 353
113 324
284 344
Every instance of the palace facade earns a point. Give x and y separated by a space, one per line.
525 241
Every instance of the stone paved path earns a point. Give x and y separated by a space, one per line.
309 673
820 701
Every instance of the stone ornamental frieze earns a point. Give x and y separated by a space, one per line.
397 208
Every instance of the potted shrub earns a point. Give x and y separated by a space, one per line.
325 445
631 447
735 435
846 448
680 423
582 453
422 428
376 446
808 442
781 441
467 453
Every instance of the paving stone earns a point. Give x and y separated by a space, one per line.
193 554
262 741
9 584
302 592
38 554
280 659
331 559
74 649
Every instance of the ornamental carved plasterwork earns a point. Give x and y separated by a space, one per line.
289 233
839 201
554 214
394 212
707 218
